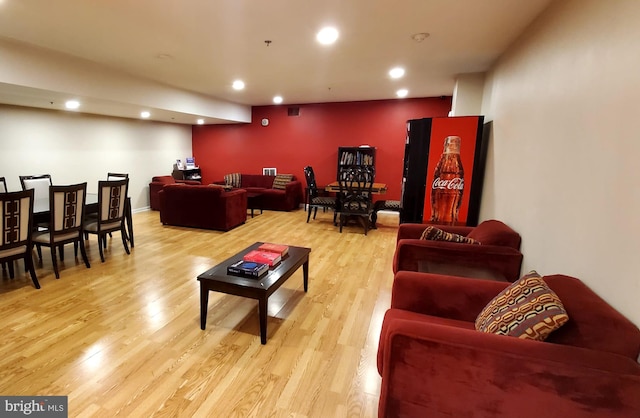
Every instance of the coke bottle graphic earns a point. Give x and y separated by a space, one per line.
448 184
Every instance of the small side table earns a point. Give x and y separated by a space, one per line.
254 201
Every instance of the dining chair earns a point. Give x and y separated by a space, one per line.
117 176
16 222
354 200
66 209
120 176
112 196
40 185
3 189
314 199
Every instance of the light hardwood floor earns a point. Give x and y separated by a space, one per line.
123 338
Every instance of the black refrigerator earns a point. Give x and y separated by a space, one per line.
444 164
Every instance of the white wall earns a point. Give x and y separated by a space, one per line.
75 148
467 95
565 151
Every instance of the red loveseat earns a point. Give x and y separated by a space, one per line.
201 206
157 183
498 257
434 363
271 199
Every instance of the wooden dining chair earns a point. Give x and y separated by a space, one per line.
314 199
354 199
40 185
120 176
117 176
3 189
112 196
66 209
16 222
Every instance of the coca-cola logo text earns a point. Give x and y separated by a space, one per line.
456 183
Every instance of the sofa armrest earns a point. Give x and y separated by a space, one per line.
156 186
235 207
293 191
414 231
434 370
443 296
235 195
469 260
294 188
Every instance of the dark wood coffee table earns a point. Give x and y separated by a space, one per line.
218 280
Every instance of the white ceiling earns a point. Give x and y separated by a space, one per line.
201 46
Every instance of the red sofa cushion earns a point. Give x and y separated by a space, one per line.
593 323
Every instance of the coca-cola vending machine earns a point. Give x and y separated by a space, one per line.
444 165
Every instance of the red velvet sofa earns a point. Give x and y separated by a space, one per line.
271 199
498 257
157 183
434 363
201 206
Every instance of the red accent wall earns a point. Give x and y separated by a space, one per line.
290 143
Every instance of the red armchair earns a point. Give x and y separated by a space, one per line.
434 363
157 183
497 258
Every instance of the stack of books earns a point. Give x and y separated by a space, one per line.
257 262
267 253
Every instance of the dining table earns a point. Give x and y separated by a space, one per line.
42 214
377 188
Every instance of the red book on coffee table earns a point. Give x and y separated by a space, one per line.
276 248
266 257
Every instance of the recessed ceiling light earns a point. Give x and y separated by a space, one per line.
200 121
277 99
327 35
402 93
145 114
238 85
396 72
72 104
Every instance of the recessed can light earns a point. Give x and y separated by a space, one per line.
145 114
72 104
238 85
327 35
402 93
396 72
277 99
200 121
